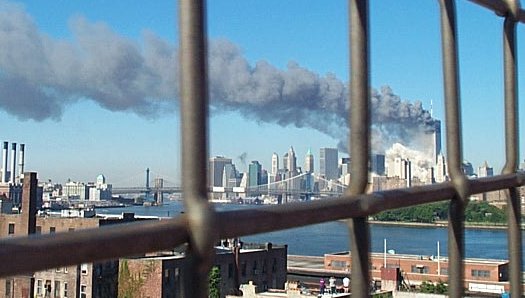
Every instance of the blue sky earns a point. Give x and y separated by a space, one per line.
89 138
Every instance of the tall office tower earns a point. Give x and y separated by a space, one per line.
441 171
292 160
215 169
309 162
275 164
436 140
468 170
345 165
229 176
377 164
254 173
408 172
328 167
485 170
285 161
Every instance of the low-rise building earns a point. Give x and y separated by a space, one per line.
160 275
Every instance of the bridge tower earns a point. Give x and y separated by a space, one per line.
158 196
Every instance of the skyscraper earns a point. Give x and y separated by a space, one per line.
485 170
328 163
285 161
275 164
309 162
254 173
292 160
377 164
215 170
436 140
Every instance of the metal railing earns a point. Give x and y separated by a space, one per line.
200 226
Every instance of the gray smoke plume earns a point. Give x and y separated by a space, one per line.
40 75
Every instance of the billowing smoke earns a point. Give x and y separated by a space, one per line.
40 75
421 161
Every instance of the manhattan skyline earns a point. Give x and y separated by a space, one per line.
83 133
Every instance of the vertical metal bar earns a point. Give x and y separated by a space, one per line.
511 147
359 141
194 115
456 246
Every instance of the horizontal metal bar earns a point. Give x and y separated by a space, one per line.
499 7
39 252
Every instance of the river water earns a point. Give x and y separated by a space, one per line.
316 240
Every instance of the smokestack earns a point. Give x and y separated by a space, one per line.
21 161
4 163
13 163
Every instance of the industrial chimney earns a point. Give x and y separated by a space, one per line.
21 162
4 163
13 163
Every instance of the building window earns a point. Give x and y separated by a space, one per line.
39 287
38 230
58 269
480 273
57 289
338 264
11 229
71 229
47 288
8 287
65 270
419 269
52 230
65 290
444 271
230 270
84 269
83 291
243 269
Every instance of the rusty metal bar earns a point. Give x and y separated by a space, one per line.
20 255
194 115
359 141
502 7
456 241
511 149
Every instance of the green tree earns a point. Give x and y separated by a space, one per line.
214 282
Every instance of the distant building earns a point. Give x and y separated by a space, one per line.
275 164
468 170
292 161
102 191
76 190
285 161
309 162
254 173
216 169
328 167
485 170
441 170
377 164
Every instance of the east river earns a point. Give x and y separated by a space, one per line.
316 240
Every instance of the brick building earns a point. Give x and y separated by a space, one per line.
161 275
415 269
84 280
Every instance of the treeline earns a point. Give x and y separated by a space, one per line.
479 212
